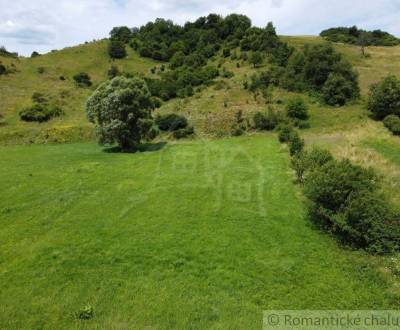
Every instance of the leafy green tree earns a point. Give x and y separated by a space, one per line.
121 33
384 98
116 49
256 58
121 110
337 90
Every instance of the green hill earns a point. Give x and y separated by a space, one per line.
17 88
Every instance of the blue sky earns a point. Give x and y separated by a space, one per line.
43 25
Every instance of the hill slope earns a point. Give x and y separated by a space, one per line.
16 90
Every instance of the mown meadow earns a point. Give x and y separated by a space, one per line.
190 235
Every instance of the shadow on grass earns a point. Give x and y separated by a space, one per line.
145 147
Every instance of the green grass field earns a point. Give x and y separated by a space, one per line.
195 235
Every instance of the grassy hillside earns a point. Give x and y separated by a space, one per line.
191 235
16 91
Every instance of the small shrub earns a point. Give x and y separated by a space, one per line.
384 98
183 132
35 54
392 123
297 109
41 70
39 98
40 113
62 78
116 49
285 133
85 313
266 121
296 143
301 124
337 90
3 69
171 122
82 79
113 72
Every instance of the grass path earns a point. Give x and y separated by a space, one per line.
195 235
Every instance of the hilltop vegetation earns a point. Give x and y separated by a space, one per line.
355 36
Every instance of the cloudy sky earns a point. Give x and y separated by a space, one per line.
42 25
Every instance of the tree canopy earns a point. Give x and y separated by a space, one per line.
121 110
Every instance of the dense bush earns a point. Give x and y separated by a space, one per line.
296 143
113 71
35 54
297 109
392 123
337 90
285 132
40 112
121 110
3 69
384 98
345 200
256 58
305 162
171 122
82 79
267 121
183 132
116 49
321 69
356 36
121 33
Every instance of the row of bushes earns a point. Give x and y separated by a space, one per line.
344 199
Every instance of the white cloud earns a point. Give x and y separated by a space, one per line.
43 25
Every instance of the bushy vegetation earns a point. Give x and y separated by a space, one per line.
121 110
116 49
82 79
392 123
266 121
345 200
188 49
3 69
6 53
355 36
296 108
41 110
317 69
384 98
171 122
183 132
